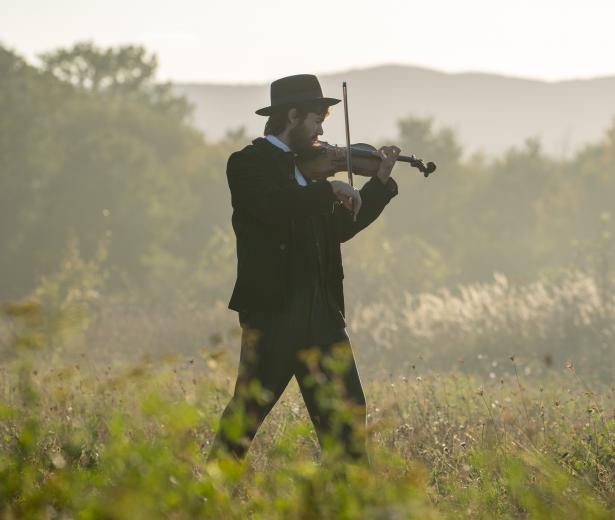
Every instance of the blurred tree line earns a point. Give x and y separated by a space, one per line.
100 162
92 150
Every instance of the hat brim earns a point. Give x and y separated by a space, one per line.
267 111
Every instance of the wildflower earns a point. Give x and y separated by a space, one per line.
58 460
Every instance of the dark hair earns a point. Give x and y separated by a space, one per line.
277 122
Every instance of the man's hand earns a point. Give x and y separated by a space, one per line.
389 156
347 195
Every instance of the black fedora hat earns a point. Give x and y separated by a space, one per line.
293 90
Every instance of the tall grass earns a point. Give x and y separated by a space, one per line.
491 401
545 323
94 441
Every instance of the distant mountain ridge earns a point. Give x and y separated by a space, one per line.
489 112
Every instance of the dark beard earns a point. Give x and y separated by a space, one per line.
299 141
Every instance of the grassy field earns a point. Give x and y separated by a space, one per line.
502 431
92 441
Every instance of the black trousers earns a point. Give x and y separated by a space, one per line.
303 341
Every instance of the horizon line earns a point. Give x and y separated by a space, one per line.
426 68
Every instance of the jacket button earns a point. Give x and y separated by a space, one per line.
282 246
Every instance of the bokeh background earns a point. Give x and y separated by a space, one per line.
117 121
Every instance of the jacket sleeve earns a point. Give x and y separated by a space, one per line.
374 197
254 191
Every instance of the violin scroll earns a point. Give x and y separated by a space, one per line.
425 169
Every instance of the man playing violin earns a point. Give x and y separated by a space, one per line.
289 223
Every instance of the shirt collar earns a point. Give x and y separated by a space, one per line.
276 142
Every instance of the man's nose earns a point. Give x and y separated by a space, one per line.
320 131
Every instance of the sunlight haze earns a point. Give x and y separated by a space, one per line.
254 42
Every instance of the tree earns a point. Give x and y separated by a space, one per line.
123 70
86 66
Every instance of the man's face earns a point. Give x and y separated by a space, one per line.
303 136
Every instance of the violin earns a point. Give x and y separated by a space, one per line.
325 160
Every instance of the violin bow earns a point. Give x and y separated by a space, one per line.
348 155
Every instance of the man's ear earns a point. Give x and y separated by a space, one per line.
292 117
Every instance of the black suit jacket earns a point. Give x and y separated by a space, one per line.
266 198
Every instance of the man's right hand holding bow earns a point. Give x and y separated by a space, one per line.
346 194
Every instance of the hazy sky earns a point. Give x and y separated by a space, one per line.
258 40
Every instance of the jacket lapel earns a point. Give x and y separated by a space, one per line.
284 161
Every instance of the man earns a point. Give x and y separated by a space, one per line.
289 225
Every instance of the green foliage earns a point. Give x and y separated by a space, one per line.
92 441
86 66
92 147
60 305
